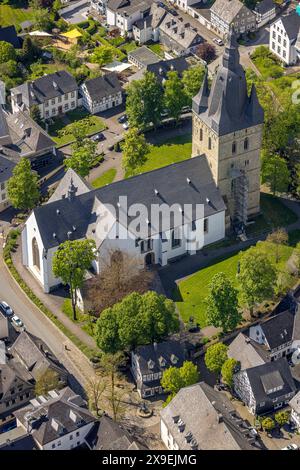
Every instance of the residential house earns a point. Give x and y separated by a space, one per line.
57 421
147 29
27 139
247 352
124 13
99 6
185 4
9 34
265 12
16 384
228 14
36 357
106 434
54 94
278 333
161 69
285 38
75 217
295 407
178 36
200 418
101 93
150 361
6 171
142 57
266 387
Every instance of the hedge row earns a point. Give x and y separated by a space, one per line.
11 244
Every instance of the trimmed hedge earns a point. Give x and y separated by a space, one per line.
11 244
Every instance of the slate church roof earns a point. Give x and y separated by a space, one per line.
226 107
186 182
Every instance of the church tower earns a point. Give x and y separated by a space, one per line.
227 128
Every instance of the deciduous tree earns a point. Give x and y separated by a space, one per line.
175 378
135 150
48 380
174 97
23 189
215 357
222 303
206 51
7 52
70 262
192 80
275 173
268 424
257 277
229 368
278 237
102 55
83 157
282 417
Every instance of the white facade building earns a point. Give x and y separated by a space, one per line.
79 216
54 94
284 38
101 93
123 14
265 12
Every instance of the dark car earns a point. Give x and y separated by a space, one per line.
98 137
6 309
122 118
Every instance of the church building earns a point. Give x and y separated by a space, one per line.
222 178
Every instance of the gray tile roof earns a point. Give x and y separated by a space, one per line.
106 434
265 6
161 68
129 7
62 189
226 107
56 409
144 55
227 9
247 352
278 330
210 418
6 168
104 86
36 356
47 87
291 23
180 31
171 352
17 439
262 377
4 131
61 217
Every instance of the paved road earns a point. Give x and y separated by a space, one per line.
39 325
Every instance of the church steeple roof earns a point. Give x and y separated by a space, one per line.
200 101
227 107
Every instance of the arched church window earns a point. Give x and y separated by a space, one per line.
209 143
233 147
246 144
35 254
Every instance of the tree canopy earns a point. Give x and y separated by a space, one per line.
229 368
275 173
175 378
135 150
174 96
70 262
7 52
222 303
23 189
137 319
215 357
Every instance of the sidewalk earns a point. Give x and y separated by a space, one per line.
52 301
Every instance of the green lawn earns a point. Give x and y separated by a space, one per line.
156 48
191 292
128 47
10 14
107 178
96 125
171 151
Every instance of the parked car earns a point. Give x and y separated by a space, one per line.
125 125
17 322
6 309
122 118
98 137
291 446
218 41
